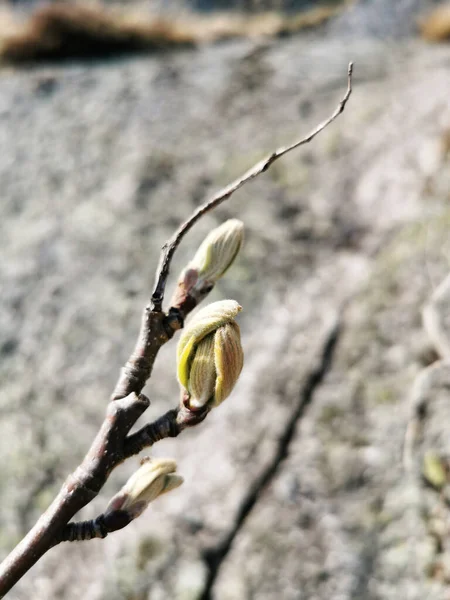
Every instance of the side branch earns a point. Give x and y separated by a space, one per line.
169 425
96 528
172 244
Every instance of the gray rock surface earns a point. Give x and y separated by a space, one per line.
346 238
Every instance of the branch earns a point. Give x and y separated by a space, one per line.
79 489
169 425
99 527
113 443
170 247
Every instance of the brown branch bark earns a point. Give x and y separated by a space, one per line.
169 425
113 443
157 327
96 528
156 330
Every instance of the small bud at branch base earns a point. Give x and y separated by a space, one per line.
154 478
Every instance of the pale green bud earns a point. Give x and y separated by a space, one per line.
154 478
214 256
209 354
217 251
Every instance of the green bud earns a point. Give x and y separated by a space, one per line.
214 256
218 251
209 354
154 478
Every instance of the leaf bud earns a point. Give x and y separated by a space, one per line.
154 478
209 355
214 256
218 250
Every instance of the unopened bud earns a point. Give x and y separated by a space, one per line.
209 355
214 256
153 478
218 250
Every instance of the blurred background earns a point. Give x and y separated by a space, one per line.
116 121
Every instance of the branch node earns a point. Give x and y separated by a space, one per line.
173 321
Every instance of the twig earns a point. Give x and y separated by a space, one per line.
156 330
96 528
170 247
113 443
169 425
